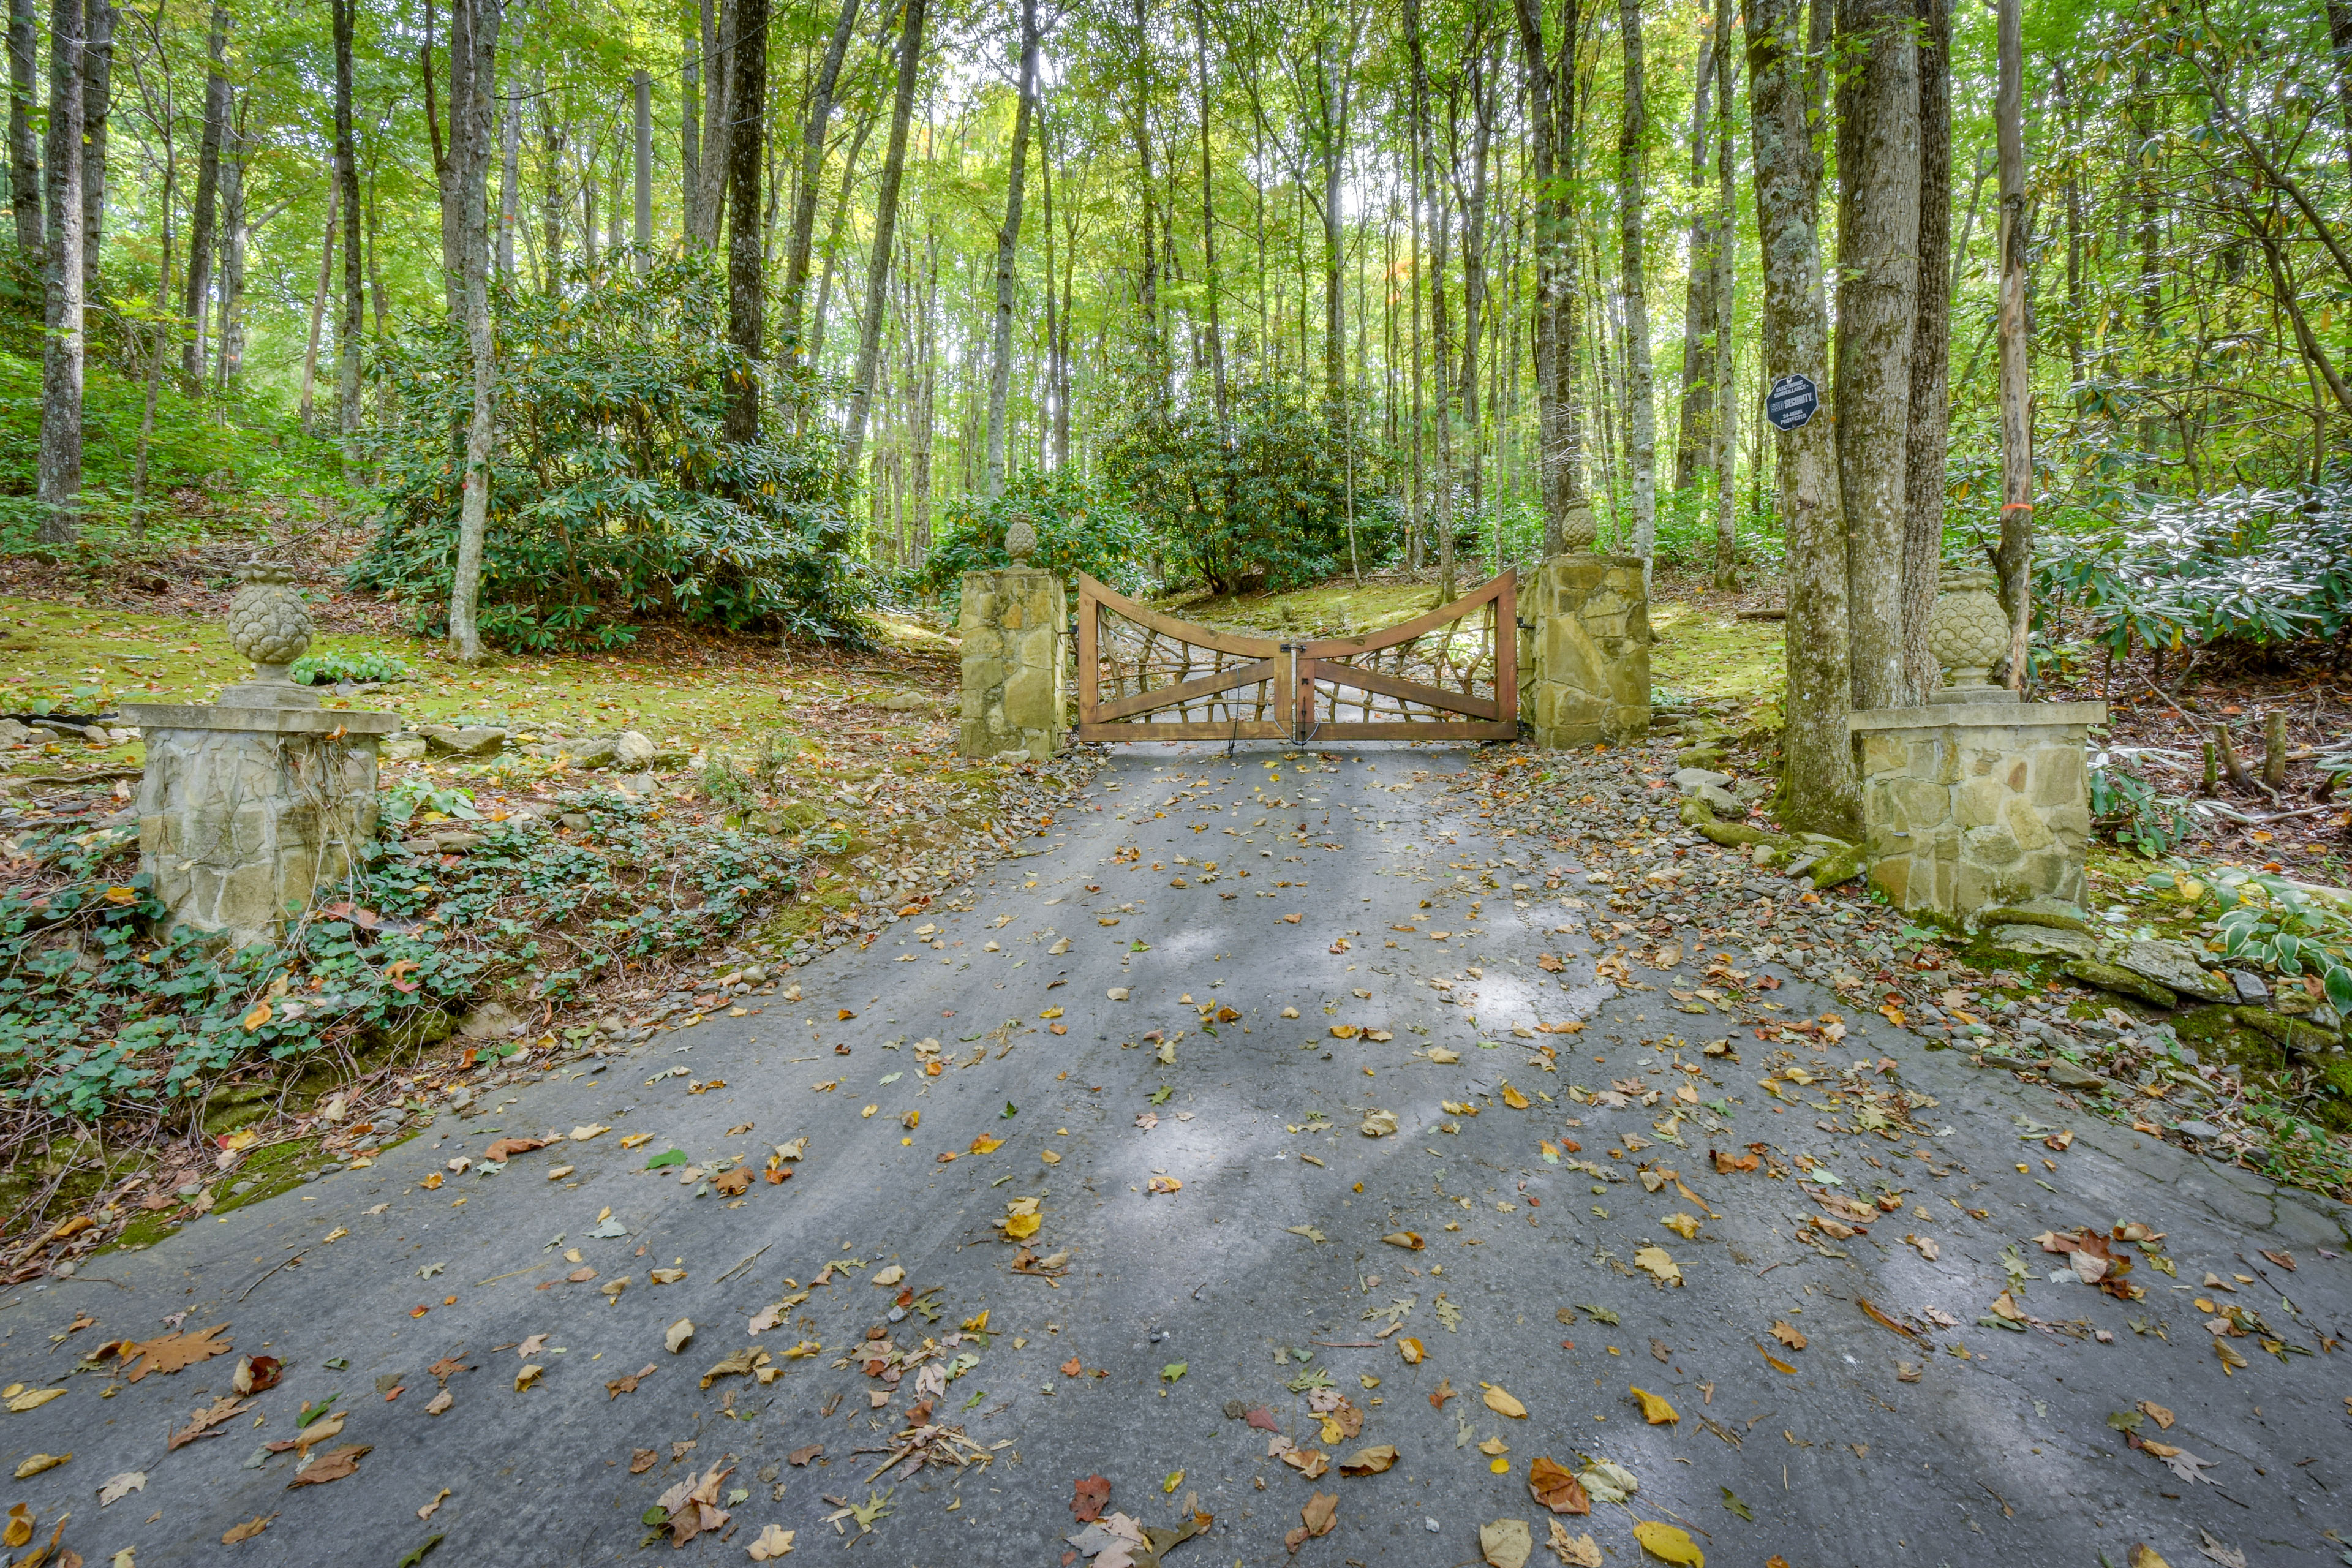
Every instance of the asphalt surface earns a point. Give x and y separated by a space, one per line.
1885 1444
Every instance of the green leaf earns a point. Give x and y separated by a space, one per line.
1011 1110
313 1412
1731 1501
666 1157
1160 1095
1174 1370
414 1558
978 1394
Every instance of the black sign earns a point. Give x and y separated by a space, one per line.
1792 401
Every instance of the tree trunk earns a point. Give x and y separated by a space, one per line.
1693 441
1210 281
644 83
1332 107
704 207
1441 347
1877 299
59 465
886 222
24 141
232 245
2014 558
1818 789
318 306
203 209
348 330
1927 433
1725 257
813 135
1008 249
1641 405
1552 87
97 93
747 91
1155 348
510 182
470 118
689 125
2339 36
552 203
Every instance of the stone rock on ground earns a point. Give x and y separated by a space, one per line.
2122 981
1716 795
2043 942
633 750
2073 1074
2176 966
472 741
1690 779
2056 914
489 1021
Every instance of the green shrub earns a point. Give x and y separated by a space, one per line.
1081 527
326 669
616 495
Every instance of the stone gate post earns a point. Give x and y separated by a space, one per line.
1014 687
1591 682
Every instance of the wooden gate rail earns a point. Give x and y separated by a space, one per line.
1266 689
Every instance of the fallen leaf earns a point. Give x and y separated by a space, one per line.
1654 1260
1088 1498
1501 1402
801 1457
680 1333
1579 1551
2145 1556
1411 1351
580 1134
1655 1410
620 1385
1514 1099
247 1530
1788 1334
1506 1543
2158 1413
1409 1240
168 1353
1682 1224
1319 1517
1441 1392
332 1466
527 1374
37 1463
774 1541
204 1422
1557 1487
33 1399
1668 1544
507 1147
1371 1462
430 1508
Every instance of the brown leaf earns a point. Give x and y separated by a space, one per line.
1369 1461
734 1183
258 1375
203 1422
1725 1164
171 1351
1319 1517
1072 1367
1441 1394
247 1530
642 1460
1882 1319
2158 1413
1659 1351
448 1366
801 1457
1786 1332
1261 1417
332 1466
1087 1499
1556 1486
620 1385
507 1147
1409 1240
2283 1259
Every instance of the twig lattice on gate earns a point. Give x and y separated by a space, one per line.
1146 676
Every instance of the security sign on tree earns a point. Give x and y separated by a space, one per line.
1792 401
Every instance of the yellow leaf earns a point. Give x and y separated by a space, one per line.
1502 1403
1175 1478
1789 1334
976 1325
1021 1226
1345 1031
1654 1260
984 1144
258 1016
869 1110
1776 1364
1049 1157
1682 1224
1654 1410
38 1463
1051 1013
1668 1544
245 1140
1514 1099
1412 1351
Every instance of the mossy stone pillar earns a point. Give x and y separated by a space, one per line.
1591 684
1015 690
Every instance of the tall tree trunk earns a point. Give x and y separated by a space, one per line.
1332 102
551 136
1641 405
59 466
885 222
1725 258
833 229
1818 787
1693 440
747 91
2339 38
1157 368
1441 346
1210 283
24 141
510 182
203 209
159 357
813 135
1552 87
308 404
689 126
470 120
98 94
1008 251
704 207
1928 430
348 329
2013 560
228 341
1877 299
644 83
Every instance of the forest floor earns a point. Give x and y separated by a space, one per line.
1165 1187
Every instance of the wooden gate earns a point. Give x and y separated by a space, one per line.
1145 676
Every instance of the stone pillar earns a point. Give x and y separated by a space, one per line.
1014 687
249 805
1591 680
1969 805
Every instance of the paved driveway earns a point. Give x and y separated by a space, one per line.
1842 1394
